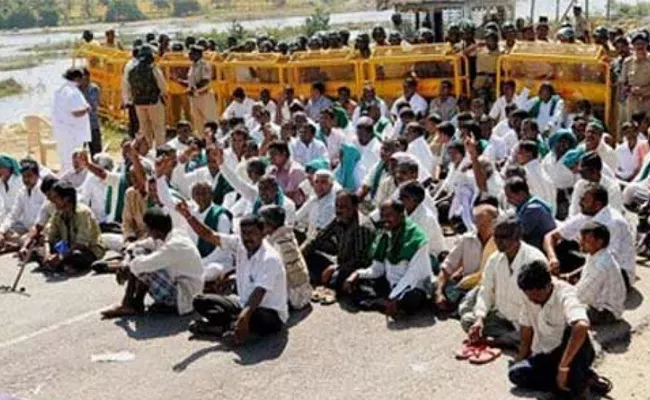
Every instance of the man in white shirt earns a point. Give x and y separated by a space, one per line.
93 192
601 285
538 181
556 353
75 176
629 153
498 299
70 118
560 245
320 209
331 136
261 304
547 108
498 111
183 135
369 146
400 275
269 104
306 149
241 106
419 148
410 95
167 266
10 183
25 210
591 167
594 143
412 195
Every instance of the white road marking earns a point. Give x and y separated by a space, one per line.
51 328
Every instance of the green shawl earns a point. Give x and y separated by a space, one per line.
121 195
344 174
534 110
410 239
220 190
212 221
376 178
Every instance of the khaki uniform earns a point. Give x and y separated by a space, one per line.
636 73
202 102
152 116
486 67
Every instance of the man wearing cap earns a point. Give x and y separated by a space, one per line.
146 87
202 100
580 23
635 76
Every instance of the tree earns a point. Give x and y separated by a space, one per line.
161 4
20 18
123 10
317 22
183 8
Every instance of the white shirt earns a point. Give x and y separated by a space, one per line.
499 290
334 140
264 269
258 135
318 212
496 149
382 108
546 120
25 209
272 108
607 155
418 104
113 180
177 145
427 220
622 236
179 256
615 196
561 176
540 184
407 275
550 321
9 194
370 153
498 110
218 255
601 284
305 153
627 161
420 149
75 178
66 127
169 203
239 110
93 194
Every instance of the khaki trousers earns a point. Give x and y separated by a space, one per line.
204 109
152 122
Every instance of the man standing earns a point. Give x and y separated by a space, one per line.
70 118
147 88
91 93
635 76
202 100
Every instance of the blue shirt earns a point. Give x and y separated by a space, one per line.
536 219
92 97
314 108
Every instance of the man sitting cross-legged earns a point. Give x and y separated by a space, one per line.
261 305
171 272
498 300
400 275
556 353
462 268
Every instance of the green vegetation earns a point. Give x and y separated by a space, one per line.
184 8
112 135
9 87
123 11
317 22
640 9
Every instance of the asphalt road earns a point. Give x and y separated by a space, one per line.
47 338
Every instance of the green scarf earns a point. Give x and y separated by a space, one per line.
121 195
380 126
341 116
10 163
317 164
212 221
345 172
376 178
410 239
534 110
197 162
220 190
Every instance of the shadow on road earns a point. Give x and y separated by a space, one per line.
153 326
257 350
634 299
614 338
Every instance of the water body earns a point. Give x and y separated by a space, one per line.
44 79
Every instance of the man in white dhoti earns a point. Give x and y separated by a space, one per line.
70 120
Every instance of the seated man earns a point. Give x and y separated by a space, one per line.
287 172
74 236
538 181
533 213
24 213
591 171
341 247
261 305
419 148
93 192
319 210
171 273
601 286
284 241
547 108
32 245
307 148
561 243
462 268
10 183
556 353
400 275
379 176
77 175
492 310
594 143
412 195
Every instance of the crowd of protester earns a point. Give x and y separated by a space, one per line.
512 214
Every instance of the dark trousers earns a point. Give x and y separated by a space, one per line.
224 310
79 259
110 227
563 200
317 262
134 124
95 141
411 301
539 372
569 255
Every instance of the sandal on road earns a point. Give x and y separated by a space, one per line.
484 355
328 297
466 350
317 294
119 312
